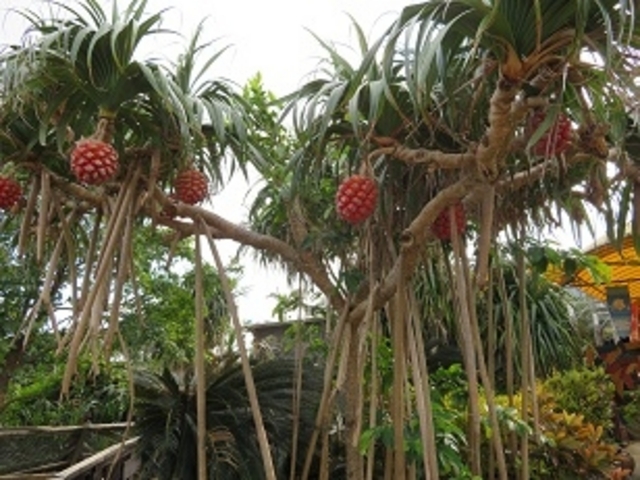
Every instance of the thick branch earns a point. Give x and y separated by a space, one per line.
434 159
496 144
75 190
535 173
229 230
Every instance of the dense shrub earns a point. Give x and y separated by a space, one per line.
585 391
35 399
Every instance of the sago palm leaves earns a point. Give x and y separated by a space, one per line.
166 419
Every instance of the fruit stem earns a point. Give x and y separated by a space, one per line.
366 169
105 128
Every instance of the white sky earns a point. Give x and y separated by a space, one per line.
270 37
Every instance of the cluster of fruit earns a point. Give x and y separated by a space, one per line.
10 192
442 225
356 198
555 140
94 162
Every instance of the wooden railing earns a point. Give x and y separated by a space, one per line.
43 452
117 462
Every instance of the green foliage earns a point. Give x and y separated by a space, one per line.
34 396
548 258
630 412
19 284
298 304
449 386
571 449
449 397
555 341
158 316
568 446
312 336
585 391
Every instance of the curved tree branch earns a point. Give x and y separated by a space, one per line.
223 228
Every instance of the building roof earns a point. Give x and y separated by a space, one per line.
624 264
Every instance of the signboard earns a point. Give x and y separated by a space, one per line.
619 305
635 324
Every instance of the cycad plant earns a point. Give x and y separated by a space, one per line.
165 416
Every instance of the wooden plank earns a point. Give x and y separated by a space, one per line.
27 476
6 432
97 460
36 470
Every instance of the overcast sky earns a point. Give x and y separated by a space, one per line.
270 37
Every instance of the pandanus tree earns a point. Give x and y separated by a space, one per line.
511 112
100 142
83 117
491 112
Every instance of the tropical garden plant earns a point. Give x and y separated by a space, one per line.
167 418
464 122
